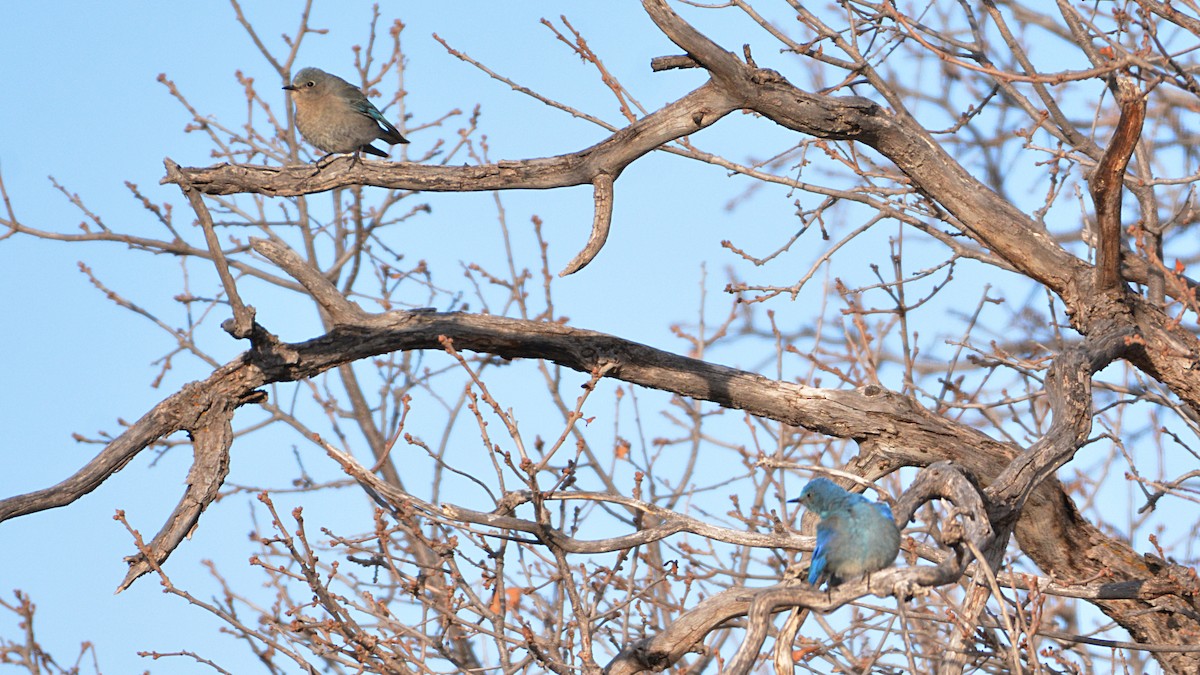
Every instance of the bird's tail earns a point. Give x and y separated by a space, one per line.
391 135
372 150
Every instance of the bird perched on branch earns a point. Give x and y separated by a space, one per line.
335 116
855 537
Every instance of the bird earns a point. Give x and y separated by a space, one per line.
336 117
855 537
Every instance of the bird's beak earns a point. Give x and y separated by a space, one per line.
289 87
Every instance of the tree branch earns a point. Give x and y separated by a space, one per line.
598 165
243 315
1108 183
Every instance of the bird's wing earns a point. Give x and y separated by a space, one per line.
817 568
367 108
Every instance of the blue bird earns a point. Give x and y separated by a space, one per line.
855 537
335 116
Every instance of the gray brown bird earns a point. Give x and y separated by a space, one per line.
335 116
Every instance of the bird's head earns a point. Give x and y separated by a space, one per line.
819 495
309 82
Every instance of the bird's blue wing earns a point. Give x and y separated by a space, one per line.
816 569
885 510
367 108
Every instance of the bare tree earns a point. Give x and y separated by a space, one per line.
989 145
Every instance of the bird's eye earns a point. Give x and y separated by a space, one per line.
310 83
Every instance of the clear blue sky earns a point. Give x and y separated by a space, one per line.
84 106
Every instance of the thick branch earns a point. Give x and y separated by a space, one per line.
859 414
213 438
179 412
1069 390
991 219
878 419
601 222
1108 184
598 165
